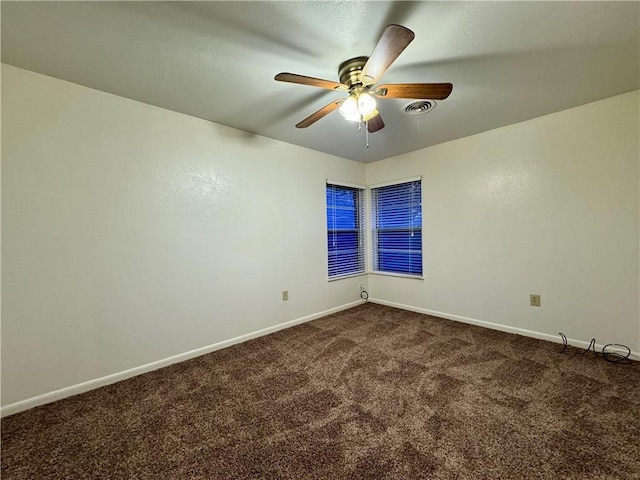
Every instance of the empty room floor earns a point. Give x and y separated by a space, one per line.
372 392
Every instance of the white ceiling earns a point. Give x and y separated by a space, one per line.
508 61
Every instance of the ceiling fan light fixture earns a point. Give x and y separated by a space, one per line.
358 107
349 109
359 75
366 103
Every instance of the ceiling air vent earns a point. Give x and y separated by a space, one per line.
419 107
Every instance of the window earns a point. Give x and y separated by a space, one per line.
345 230
397 228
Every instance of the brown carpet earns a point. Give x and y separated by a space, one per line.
369 393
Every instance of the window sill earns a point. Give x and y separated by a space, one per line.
400 275
349 275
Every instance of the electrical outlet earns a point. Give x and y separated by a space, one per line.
285 295
534 300
361 287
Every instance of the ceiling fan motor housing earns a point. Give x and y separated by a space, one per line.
350 71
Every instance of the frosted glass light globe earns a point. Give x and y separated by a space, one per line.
366 104
349 109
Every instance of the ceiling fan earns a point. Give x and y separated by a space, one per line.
358 76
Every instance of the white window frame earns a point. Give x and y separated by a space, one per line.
372 249
361 227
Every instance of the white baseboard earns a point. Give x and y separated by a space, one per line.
66 392
497 326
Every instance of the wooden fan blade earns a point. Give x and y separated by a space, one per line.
313 82
393 41
432 91
314 117
374 124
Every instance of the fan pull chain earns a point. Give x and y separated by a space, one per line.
366 134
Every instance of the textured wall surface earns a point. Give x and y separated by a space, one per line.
132 233
549 206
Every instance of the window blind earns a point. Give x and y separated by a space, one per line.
345 230
397 228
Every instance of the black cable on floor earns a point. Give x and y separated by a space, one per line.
565 343
592 345
615 357
611 356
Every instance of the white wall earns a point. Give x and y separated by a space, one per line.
548 206
132 234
